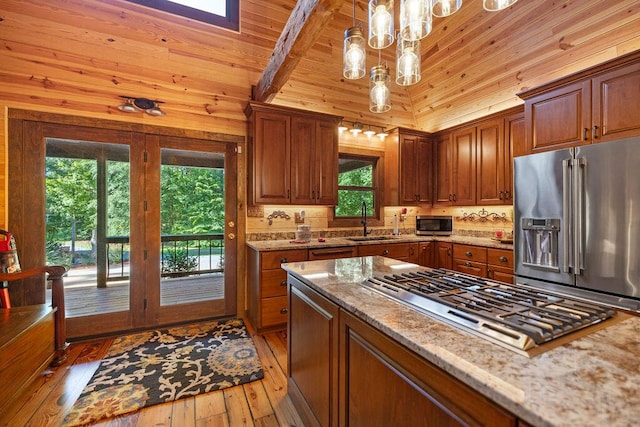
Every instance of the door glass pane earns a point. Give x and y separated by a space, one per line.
192 226
87 223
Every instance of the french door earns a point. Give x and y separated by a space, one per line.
144 222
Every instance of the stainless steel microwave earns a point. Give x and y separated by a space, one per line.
434 225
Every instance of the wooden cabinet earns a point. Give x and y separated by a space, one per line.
408 168
498 139
383 383
292 156
500 265
426 254
470 259
312 356
400 251
455 161
444 255
314 161
333 253
341 371
267 286
596 105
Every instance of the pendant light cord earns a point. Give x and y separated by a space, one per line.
354 13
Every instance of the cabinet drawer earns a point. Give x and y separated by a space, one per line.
274 283
397 251
272 260
501 257
470 267
333 253
274 311
500 274
471 253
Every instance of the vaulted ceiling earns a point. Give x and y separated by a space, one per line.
473 63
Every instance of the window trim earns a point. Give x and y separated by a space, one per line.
378 174
230 22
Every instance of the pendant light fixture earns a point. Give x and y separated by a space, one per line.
381 23
353 57
379 94
444 8
496 5
415 19
408 62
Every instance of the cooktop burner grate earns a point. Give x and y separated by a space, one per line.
514 315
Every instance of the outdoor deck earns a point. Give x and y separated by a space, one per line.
83 300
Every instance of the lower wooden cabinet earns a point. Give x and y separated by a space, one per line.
341 371
444 255
492 263
500 265
399 251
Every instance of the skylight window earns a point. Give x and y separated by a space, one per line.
222 13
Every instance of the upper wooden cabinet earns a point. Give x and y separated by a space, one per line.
408 168
455 170
293 156
596 105
497 140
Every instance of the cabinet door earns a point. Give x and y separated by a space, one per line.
470 267
616 104
444 255
559 118
408 169
303 160
424 170
384 384
464 166
326 163
271 158
514 146
443 171
491 189
500 274
426 254
312 358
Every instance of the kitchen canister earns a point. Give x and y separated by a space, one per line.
303 233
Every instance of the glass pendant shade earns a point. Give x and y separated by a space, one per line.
353 54
415 19
496 5
381 26
408 62
379 94
443 8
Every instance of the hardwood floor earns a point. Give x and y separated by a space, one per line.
260 403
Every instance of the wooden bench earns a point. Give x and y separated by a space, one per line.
31 337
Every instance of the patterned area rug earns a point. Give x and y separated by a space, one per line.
154 367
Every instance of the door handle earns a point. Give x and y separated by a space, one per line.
468 253
284 311
500 195
584 133
503 259
595 131
283 283
385 252
231 236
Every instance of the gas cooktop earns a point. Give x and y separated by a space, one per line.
514 316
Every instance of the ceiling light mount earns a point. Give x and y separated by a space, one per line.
135 105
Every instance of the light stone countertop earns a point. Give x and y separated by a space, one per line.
593 380
332 242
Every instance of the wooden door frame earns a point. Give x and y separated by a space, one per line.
24 142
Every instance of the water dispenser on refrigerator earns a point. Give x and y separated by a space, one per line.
541 242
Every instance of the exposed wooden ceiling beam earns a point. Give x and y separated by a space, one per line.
307 20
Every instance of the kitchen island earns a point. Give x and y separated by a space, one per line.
590 380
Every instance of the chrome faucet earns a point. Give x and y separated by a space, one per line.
363 220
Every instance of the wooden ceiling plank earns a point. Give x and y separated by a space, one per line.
301 31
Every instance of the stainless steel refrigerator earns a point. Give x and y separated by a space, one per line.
577 221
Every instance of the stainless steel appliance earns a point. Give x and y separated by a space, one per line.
517 317
434 225
577 221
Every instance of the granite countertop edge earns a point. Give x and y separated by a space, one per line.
578 383
332 242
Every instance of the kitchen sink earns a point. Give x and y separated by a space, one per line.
368 238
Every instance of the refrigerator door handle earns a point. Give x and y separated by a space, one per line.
578 191
566 215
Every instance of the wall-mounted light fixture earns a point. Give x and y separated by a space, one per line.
358 127
134 105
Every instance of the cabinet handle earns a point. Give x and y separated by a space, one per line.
503 259
450 198
284 260
284 310
454 197
288 194
584 133
313 195
385 252
467 264
595 132
507 195
448 251
500 195
283 283
468 253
